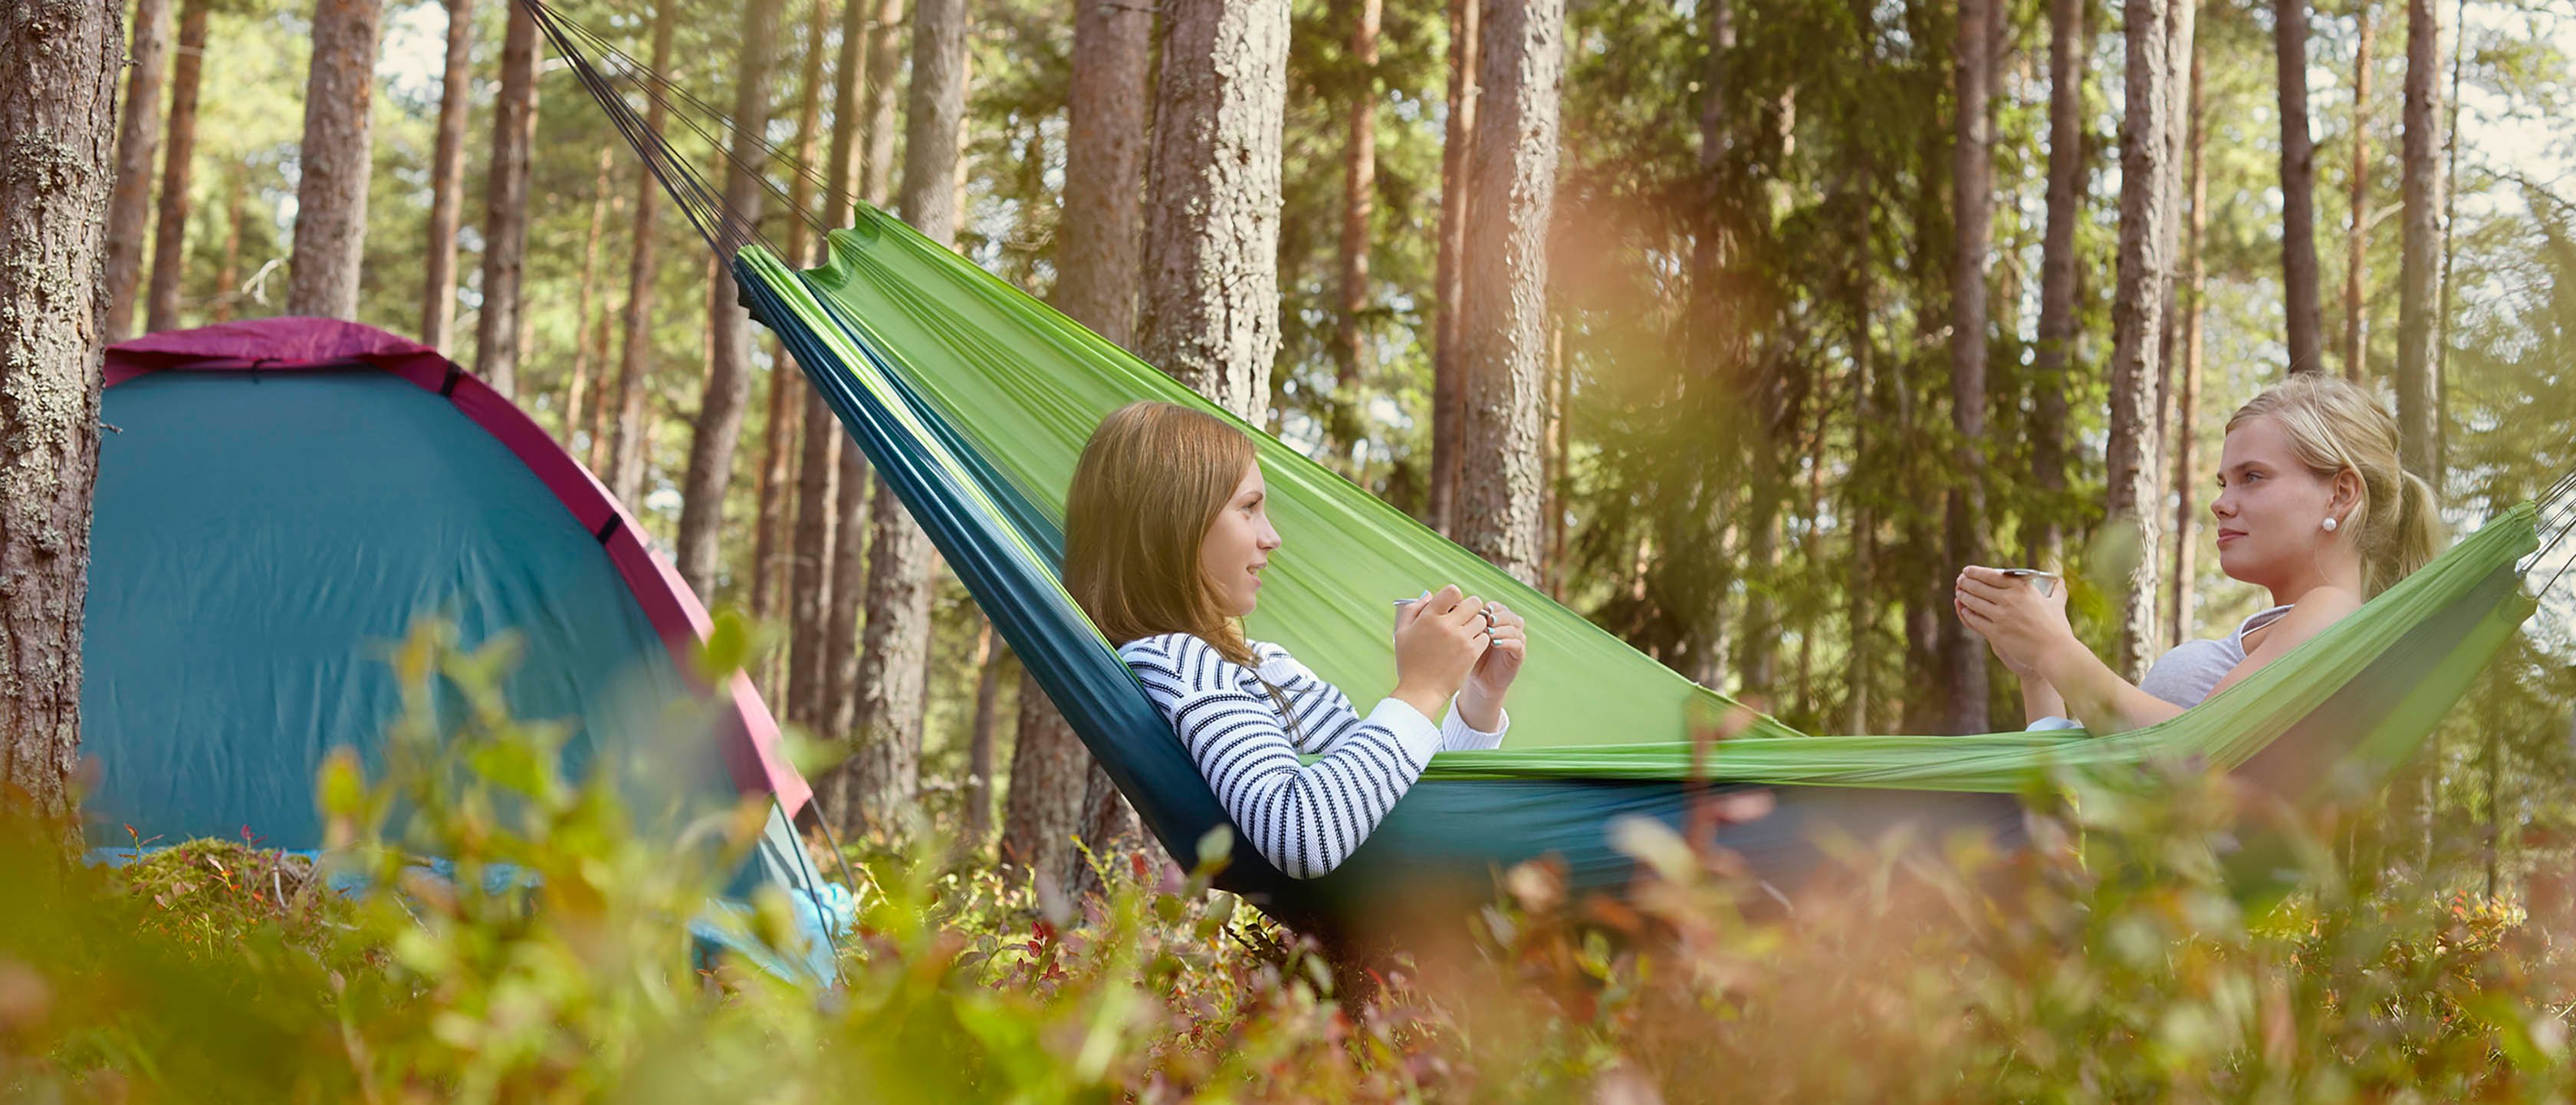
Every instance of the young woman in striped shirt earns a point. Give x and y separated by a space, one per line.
1166 537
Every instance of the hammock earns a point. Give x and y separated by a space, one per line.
973 401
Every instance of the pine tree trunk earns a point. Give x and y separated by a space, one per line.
2186 568
1359 211
884 69
129 208
1720 335
810 601
2418 271
228 270
1104 168
170 228
1504 324
1211 293
1860 608
2447 294
625 453
2180 50
1972 230
2357 238
58 66
810 596
2298 189
1448 396
886 716
777 434
978 792
2058 333
2137 310
1560 384
852 479
447 182
505 207
1057 792
718 430
1811 551
577 382
331 195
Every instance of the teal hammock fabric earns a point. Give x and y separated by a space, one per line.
973 400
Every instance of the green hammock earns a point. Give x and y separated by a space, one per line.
974 400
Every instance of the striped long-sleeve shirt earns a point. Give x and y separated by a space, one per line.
1304 818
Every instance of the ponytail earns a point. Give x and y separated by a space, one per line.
2414 539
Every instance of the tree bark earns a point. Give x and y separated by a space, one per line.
2137 309
625 452
2355 332
1560 385
1104 168
58 66
777 435
1211 292
1448 397
170 228
1720 326
2298 189
577 382
718 429
505 207
1860 609
852 479
978 792
228 270
2179 617
331 194
129 207
1359 211
1972 229
447 181
1057 792
886 714
884 69
2419 257
2058 333
810 601
1504 324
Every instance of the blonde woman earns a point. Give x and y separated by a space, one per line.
2311 506
1167 533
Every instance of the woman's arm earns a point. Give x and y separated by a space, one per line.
2039 700
1304 818
1475 717
2096 695
2030 633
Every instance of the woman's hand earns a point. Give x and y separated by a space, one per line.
1437 643
2018 622
1501 664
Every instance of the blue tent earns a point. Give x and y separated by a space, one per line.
279 500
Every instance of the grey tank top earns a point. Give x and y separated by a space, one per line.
2186 675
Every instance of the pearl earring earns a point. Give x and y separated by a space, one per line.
2330 525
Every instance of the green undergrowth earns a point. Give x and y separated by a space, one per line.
2118 957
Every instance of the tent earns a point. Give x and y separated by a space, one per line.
279 499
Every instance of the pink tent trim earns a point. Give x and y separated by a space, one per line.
751 742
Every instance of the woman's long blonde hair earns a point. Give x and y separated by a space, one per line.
2335 426
1148 487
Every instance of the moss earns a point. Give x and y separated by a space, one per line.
209 896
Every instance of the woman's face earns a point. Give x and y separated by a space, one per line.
1238 545
2270 509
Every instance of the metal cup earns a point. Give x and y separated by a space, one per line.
2040 580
